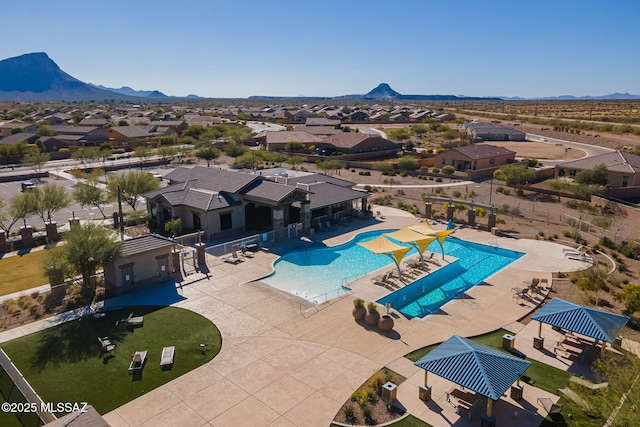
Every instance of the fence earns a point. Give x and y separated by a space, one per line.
586 227
26 390
261 240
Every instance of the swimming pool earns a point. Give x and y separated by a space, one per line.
319 274
475 263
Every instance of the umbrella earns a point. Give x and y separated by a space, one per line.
382 245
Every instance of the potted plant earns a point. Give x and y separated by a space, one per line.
372 316
358 309
385 323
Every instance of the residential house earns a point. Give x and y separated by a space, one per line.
176 125
7 129
356 142
123 134
475 157
94 122
486 131
623 167
277 140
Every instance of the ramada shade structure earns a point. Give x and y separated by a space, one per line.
384 246
597 324
483 369
417 240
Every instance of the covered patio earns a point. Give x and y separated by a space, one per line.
476 377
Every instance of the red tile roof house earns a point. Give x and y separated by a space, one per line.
475 157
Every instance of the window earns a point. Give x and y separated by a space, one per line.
225 221
444 161
625 181
492 161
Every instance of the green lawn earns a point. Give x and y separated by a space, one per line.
22 272
63 364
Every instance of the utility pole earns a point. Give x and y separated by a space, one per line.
120 216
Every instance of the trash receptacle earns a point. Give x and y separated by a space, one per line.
538 343
389 391
508 341
516 392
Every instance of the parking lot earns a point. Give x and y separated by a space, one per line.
12 188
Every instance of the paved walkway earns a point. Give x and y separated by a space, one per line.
286 363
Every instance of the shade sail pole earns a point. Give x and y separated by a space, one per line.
390 255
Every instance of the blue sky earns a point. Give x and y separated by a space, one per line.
294 47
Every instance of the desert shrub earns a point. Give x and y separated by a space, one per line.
520 192
438 179
448 170
608 243
360 397
424 169
349 413
630 250
367 188
382 200
457 194
472 193
367 414
436 170
403 174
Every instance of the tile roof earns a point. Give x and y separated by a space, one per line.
616 161
212 178
130 131
482 151
316 177
145 243
283 137
269 190
327 194
189 194
17 137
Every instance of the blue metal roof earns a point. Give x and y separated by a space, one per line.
483 369
598 324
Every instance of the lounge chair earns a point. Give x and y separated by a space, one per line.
379 280
233 258
106 346
328 225
571 250
245 252
131 320
549 406
137 360
379 215
167 356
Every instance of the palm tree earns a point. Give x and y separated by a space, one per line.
89 247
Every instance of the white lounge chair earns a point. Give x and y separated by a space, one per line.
167 356
576 250
137 361
233 258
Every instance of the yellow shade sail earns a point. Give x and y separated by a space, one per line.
441 235
423 228
382 245
418 240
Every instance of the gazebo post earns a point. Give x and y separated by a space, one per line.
489 420
539 329
603 348
424 391
489 406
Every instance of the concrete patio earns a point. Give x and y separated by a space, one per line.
286 362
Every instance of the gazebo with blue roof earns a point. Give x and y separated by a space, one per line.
485 370
597 324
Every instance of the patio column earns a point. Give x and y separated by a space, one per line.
278 222
492 220
52 231
3 241
27 236
450 211
489 407
427 210
305 216
363 204
603 348
200 255
539 329
471 216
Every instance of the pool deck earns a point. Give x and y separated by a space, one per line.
285 362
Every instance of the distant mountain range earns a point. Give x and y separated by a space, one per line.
35 77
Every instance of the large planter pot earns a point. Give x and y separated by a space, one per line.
359 313
385 323
372 318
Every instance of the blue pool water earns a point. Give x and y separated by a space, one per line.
321 273
475 263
